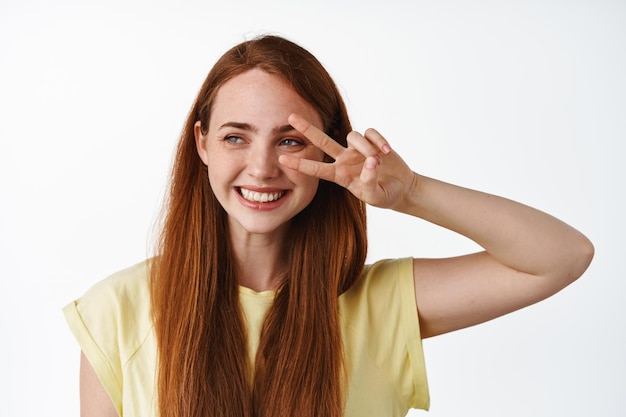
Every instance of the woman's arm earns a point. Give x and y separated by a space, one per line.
528 255
94 400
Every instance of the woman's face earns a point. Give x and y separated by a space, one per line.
248 130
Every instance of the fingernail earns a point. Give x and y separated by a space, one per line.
386 148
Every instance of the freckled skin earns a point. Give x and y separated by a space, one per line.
248 131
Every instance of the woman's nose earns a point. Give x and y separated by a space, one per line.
263 163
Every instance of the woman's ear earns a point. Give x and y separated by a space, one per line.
200 141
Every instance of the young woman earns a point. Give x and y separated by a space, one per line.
258 302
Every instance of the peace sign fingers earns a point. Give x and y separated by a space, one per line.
368 167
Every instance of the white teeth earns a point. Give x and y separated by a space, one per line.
261 197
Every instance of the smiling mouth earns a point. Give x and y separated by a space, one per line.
258 197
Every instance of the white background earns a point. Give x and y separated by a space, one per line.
522 99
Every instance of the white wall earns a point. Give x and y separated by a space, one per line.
524 99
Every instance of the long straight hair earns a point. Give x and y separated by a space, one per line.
203 366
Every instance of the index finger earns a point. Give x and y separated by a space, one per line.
316 136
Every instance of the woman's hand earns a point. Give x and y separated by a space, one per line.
368 167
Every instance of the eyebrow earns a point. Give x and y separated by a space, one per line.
251 128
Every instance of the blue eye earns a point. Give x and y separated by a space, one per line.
233 139
291 142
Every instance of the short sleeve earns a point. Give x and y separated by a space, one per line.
109 322
381 312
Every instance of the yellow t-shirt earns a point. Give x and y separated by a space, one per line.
379 323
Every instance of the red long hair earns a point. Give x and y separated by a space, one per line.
203 364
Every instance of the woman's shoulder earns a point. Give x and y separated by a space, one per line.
382 287
123 283
381 332
119 303
112 323
383 275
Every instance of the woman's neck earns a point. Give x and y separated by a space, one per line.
260 260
